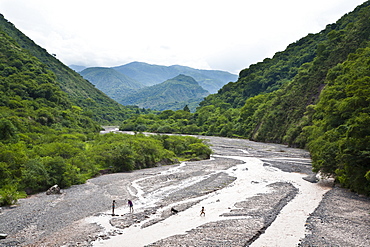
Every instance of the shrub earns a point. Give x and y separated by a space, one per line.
9 195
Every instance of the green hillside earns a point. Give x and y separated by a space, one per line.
312 95
172 94
289 101
294 114
38 126
81 92
46 139
111 82
281 115
150 74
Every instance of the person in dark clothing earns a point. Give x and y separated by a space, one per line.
113 207
202 212
131 206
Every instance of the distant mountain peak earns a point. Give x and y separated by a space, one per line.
185 78
172 94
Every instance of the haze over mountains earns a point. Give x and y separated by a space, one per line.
121 83
150 74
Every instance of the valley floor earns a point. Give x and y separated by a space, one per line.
254 194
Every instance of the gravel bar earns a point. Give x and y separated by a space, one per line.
341 219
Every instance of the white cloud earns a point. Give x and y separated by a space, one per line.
226 35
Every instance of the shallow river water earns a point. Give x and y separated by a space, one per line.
252 178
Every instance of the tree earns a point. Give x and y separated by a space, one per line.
7 130
34 176
339 139
186 108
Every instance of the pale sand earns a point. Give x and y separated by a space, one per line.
252 178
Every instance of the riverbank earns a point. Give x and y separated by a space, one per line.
246 196
342 219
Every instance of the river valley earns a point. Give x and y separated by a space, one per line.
254 194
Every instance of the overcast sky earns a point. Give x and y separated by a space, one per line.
204 34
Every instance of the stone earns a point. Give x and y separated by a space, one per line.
53 190
311 178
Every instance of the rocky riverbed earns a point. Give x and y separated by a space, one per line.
254 194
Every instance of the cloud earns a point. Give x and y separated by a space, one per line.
225 35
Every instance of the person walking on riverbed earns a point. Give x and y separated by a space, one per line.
131 206
113 206
202 212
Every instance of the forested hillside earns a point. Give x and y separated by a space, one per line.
46 139
312 95
34 114
116 85
81 92
173 94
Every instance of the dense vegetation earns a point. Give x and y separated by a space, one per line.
312 95
46 139
169 121
339 138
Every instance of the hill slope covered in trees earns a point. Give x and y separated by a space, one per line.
173 94
116 85
81 92
312 95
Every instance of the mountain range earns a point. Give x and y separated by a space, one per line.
122 83
150 74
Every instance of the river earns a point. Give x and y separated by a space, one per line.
255 168
254 194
